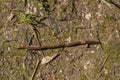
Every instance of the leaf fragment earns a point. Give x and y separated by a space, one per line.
48 59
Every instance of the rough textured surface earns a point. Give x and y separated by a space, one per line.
60 21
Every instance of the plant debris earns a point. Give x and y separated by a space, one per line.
60 45
48 59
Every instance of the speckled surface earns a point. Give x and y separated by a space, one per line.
60 21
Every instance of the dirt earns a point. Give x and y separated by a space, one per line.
55 22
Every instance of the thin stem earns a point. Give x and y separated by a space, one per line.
60 45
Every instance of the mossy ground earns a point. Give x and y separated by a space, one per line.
60 21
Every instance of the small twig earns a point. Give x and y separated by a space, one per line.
100 70
118 6
60 45
105 60
35 70
36 33
107 3
88 78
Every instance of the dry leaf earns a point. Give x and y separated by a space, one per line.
47 59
